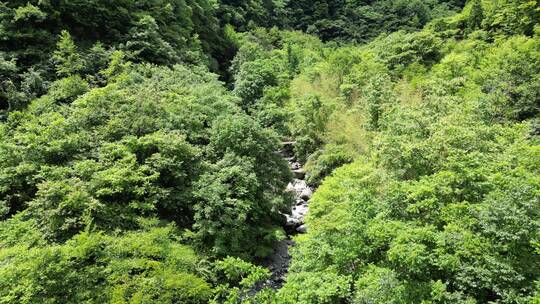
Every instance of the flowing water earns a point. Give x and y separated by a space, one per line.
278 262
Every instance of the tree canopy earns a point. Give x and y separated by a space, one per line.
142 154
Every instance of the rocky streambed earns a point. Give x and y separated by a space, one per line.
278 262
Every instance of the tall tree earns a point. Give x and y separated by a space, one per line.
68 61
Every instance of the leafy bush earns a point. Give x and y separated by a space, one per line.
322 164
144 266
143 146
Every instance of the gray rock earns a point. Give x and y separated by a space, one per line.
306 194
290 188
295 166
302 229
297 187
299 174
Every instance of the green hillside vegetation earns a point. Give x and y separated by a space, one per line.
139 150
439 202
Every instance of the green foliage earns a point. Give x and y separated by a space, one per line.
314 287
379 285
441 228
117 66
310 119
251 81
20 229
146 43
65 90
241 191
513 17
241 277
511 78
38 36
322 163
401 49
68 61
113 23
130 174
245 14
147 266
361 21
476 16
230 206
148 144
435 200
17 89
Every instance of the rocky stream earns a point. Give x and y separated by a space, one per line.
278 262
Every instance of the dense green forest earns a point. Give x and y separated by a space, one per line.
141 150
